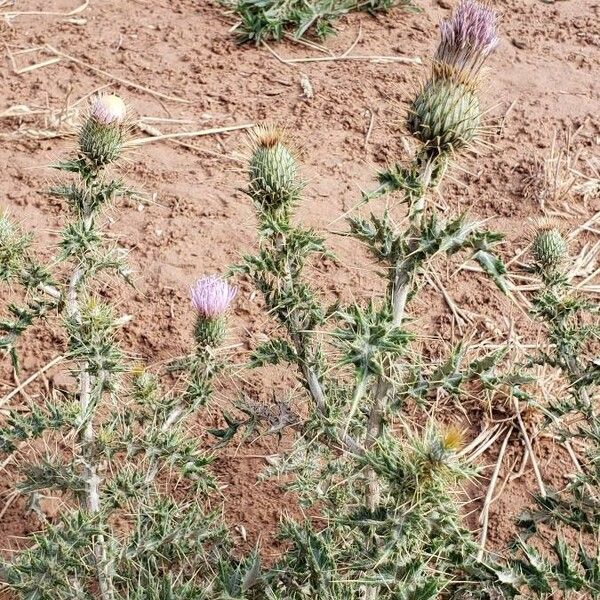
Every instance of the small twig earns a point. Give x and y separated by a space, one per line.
484 435
412 60
353 45
126 82
521 470
75 11
21 70
484 446
370 128
536 468
188 134
11 498
485 511
459 314
30 379
11 456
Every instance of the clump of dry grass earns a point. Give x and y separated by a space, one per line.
567 177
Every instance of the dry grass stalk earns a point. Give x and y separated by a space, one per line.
565 178
14 14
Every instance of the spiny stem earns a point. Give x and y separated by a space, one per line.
316 391
400 291
87 436
312 380
485 511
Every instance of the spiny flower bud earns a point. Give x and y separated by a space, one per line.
211 297
548 247
443 445
468 37
101 136
273 169
445 115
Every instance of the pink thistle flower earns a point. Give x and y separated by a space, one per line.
211 296
468 37
108 109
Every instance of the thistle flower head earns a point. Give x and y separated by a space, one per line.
548 245
101 135
108 109
445 443
446 114
468 37
211 296
267 136
452 439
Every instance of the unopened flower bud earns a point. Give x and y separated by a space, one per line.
273 169
446 115
548 247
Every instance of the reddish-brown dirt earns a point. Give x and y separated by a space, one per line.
191 218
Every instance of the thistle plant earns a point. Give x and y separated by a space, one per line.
121 534
387 492
379 481
545 561
263 20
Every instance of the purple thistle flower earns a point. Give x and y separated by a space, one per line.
211 296
468 37
109 109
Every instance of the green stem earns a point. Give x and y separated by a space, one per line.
301 345
401 286
359 391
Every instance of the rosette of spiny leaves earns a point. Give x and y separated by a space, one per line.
120 534
263 20
546 559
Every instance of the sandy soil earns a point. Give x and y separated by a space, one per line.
192 218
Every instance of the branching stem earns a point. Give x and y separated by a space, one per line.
402 285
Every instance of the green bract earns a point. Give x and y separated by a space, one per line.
445 115
101 144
